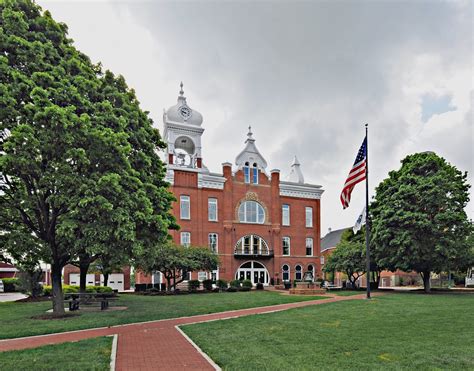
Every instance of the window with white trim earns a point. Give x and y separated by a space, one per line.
322 259
251 212
309 246
186 239
285 215
213 240
309 217
246 173
286 245
212 209
285 270
298 273
202 276
185 207
255 174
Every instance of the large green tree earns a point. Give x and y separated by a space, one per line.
79 169
418 217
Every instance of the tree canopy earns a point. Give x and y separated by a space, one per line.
175 261
79 164
418 217
349 256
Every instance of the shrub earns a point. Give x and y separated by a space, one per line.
194 285
222 284
47 289
207 284
72 289
247 284
10 284
259 286
103 289
235 284
232 289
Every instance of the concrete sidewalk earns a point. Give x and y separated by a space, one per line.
11 296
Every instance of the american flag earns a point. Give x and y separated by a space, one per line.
356 175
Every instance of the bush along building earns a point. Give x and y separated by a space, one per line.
263 228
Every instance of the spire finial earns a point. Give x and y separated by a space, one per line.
181 92
249 134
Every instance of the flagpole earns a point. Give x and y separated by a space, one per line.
367 229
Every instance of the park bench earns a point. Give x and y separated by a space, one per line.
75 300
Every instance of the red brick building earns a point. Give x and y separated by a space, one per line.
264 228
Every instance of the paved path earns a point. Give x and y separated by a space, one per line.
11 296
157 345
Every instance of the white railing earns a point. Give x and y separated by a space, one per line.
469 281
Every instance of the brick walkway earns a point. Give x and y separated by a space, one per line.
157 345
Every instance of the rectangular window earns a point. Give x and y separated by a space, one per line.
213 242
185 239
309 217
247 174
202 276
212 209
185 207
286 245
285 215
255 175
309 246
322 260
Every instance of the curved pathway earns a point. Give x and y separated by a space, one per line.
158 345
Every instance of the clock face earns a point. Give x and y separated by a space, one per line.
185 112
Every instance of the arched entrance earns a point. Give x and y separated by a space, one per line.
253 271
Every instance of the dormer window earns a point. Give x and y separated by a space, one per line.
255 174
247 173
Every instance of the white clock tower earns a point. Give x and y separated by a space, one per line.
182 133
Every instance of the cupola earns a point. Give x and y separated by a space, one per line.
182 133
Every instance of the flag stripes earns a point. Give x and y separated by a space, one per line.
356 175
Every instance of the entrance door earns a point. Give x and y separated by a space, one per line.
254 271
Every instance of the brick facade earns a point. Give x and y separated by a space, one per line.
247 182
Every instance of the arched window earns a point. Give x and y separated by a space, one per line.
298 273
311 270
251 212
251 245
285 269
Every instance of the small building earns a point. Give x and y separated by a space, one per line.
119 280
8 270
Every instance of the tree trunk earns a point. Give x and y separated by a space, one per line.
168 283
84 268
426 280
58 298
106 279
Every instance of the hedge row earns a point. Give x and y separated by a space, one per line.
71 289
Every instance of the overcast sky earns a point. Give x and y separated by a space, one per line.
305 75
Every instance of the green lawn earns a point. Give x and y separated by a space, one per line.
396 331
16 318
91 354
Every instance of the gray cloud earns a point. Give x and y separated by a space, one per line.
305 75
